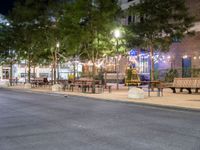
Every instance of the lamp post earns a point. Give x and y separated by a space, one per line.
117 35
56 56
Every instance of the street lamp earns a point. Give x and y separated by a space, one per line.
56 56
57 44
117 35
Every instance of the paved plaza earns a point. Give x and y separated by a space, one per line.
169 99
30 121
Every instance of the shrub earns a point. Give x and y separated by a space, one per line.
170 75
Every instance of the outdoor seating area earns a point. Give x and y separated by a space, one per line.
188 84
84 85
39 82
80 85
88 86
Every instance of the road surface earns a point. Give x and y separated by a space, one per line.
30 121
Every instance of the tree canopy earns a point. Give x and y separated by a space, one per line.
84 28
158 23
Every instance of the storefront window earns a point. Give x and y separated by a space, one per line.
186 67
144 64
5 73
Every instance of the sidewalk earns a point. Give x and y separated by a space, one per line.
169 99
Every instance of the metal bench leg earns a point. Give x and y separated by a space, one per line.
174 90
189 90
158 94
101 89
71 88
109 89
149 92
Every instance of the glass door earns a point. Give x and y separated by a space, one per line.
186 67
6 74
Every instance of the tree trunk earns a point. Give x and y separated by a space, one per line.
11 75
105 73
52 74
29 69
93 77
34 72
57 67
151 63
74 71
54 68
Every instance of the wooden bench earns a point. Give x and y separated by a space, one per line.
186 83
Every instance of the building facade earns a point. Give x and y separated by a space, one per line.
183 55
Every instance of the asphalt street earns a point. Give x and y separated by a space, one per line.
30 121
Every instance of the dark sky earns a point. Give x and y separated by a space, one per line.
5 6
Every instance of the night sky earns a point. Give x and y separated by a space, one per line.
5 6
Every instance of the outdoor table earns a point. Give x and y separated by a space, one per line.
39 82
155 84
36 82
85 85
13 81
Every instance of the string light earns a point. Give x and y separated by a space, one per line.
185 57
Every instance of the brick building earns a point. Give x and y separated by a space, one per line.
183 55
187 52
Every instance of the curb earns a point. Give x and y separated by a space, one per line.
178 108
141 104
38 92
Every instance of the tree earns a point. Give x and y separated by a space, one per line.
28 18
8 53
160 23
91 27
54 41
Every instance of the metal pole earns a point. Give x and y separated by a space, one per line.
25 70
54 71
57 64
117 67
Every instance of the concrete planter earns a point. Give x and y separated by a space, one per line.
136 93
27 86
4 84
56 88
